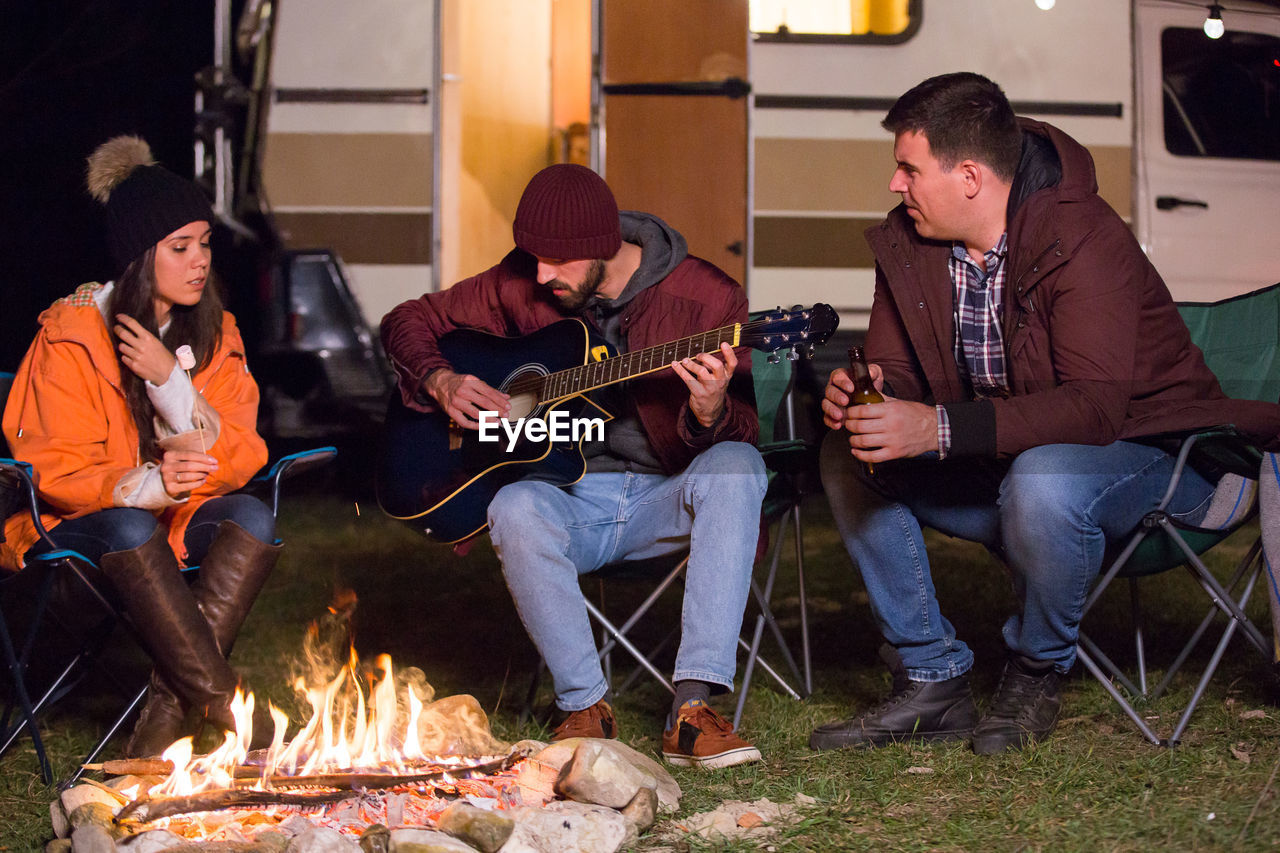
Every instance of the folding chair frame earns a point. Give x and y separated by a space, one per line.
1223 598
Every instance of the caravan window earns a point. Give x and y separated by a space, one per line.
1221 97
857 21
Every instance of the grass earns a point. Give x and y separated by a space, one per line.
1094 785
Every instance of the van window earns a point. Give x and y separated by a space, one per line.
856 21
1221 96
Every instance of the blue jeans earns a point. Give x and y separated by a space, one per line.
546 536
125 528
1050 514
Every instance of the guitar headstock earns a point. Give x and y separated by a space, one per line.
797 331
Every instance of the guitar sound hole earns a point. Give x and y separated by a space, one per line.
522 405
526 403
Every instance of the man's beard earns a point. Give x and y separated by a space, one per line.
573 299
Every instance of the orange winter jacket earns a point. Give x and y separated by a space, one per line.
67 415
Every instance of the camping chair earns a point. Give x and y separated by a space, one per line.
1240 338
34 586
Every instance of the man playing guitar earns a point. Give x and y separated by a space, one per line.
677 468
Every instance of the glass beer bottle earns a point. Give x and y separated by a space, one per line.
864 390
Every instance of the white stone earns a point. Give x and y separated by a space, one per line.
73 798
61 826
151 842
536 770
92 838
319 839
567 827
296 825
426 841
597 774
721 823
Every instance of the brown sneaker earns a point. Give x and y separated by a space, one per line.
703 738
596 721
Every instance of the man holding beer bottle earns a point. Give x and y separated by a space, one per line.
1022 342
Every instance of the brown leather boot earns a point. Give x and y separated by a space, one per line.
178 638
162 721
231 576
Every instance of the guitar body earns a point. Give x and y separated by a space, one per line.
441 478
446 490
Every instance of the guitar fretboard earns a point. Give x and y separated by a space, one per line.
585 377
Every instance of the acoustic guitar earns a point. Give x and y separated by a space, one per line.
441 478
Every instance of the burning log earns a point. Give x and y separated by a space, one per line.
342 785
133 767
375 781
148 809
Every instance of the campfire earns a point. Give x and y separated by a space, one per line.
379 756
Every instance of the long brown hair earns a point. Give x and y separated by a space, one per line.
198 326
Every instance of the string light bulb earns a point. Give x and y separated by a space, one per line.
1213 26
1045 5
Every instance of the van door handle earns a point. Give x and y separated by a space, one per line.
1169 202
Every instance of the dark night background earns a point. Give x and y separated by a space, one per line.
73 73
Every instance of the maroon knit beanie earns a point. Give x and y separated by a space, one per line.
567 213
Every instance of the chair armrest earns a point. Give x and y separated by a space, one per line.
790 456
1221 448
18 487
289 466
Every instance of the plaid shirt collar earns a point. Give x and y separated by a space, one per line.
979 307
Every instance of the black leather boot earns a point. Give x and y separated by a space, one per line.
916 711
1024 709
178 638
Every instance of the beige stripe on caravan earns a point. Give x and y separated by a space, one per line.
812 241
348 169
830 175
824 174
361 238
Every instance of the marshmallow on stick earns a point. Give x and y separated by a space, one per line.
187 361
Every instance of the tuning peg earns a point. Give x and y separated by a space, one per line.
774 358
792 355
808 350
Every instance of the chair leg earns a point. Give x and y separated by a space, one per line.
766 617
804 604
1087 660
1221 599
619 637
17 676
1140 646
1254 554
1213 664
107 737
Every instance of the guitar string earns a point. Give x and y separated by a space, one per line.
552 387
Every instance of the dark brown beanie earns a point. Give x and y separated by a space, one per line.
145 202
567 213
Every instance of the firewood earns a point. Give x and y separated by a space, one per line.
346 785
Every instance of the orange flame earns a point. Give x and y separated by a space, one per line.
345 733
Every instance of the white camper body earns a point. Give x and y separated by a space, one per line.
1121 77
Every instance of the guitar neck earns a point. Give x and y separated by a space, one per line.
596 374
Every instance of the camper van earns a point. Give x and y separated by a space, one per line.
1184 130
401 132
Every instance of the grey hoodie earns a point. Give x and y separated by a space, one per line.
662 248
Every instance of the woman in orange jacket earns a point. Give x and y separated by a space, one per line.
136 452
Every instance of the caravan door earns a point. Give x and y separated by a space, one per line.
674 112
1208 148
